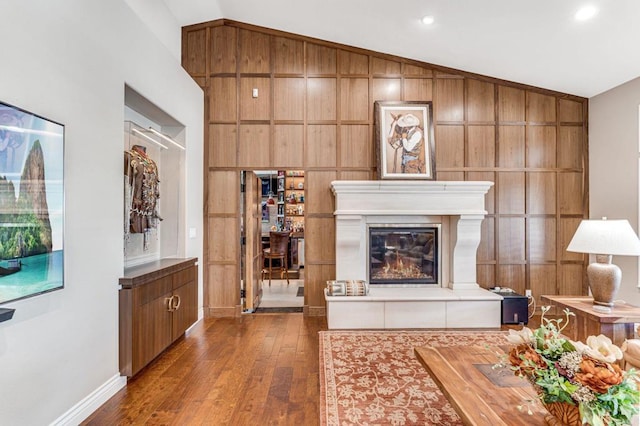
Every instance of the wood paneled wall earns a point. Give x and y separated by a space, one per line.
314 112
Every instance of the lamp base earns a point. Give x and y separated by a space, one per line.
604 280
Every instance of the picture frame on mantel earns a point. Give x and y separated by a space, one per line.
404 135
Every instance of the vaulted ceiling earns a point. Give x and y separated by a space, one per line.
539 42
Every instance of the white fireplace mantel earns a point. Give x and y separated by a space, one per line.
385 197
458 301
460 205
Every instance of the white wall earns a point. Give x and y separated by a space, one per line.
69 60
613 168
161 22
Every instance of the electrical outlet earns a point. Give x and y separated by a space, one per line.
527 293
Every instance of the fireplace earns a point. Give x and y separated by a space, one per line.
457 207
404 254
379 222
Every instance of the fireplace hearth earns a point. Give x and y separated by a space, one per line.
402 255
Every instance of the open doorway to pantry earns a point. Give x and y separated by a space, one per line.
272 201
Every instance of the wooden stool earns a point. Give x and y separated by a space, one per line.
278 247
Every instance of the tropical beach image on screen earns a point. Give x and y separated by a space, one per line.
31 204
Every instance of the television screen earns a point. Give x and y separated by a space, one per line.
268 185
31 204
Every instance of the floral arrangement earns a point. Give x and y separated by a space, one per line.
582 375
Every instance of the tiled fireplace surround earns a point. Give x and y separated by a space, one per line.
458 301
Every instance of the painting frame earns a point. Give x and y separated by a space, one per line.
409 154
32 173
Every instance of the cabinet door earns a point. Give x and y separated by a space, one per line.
152 334
186 312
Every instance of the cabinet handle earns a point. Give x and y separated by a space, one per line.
169 302
175 306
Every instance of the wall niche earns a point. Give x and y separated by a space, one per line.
148 132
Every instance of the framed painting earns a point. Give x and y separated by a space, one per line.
32 198
404 135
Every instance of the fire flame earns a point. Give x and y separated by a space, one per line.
397 269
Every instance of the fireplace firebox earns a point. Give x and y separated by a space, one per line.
406 255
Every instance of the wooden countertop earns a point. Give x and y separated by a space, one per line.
620 313
142 274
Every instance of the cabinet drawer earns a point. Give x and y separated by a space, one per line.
153 290
185 276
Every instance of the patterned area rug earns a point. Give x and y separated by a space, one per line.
374 378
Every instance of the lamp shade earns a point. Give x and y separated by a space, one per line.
610 237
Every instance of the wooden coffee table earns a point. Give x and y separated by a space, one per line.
487 398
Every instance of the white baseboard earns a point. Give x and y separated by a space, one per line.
190 329
92 402
83 409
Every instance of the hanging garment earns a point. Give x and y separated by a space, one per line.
144 184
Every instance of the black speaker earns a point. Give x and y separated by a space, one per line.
515 308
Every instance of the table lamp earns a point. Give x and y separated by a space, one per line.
604 238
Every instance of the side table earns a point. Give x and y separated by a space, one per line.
617 325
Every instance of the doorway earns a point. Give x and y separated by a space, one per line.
272 200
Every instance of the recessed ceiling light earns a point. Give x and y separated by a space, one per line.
428 20
586 12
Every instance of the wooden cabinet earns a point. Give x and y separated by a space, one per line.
158 302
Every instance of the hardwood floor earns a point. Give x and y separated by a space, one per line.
257 369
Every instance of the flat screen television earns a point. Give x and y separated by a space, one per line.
268 185
31 204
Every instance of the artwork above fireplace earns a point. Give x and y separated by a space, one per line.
404 254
